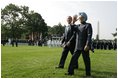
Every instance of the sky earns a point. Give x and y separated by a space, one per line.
56 11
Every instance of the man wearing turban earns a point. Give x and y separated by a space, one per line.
83 33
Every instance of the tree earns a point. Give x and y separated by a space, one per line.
17 21
58 29
115 34
10 17
36 26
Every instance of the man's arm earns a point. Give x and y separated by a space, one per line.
89 35
89 32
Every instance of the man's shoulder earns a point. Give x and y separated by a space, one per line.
89 24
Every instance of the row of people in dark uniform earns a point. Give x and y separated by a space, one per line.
13 42
101 44
40 42
32 43
3 42
105 45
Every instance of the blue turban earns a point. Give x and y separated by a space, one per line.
83 14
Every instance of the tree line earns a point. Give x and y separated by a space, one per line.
18 22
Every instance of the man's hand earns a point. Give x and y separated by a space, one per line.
86 48
75 19
68 44
62 45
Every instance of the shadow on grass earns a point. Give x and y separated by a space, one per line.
101 74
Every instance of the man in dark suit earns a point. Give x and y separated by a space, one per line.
83 34
114 45
105 45
67 35
12 42
16 42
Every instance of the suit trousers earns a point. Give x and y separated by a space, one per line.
64 56
86 59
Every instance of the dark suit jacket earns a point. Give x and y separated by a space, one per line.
68 34
83 33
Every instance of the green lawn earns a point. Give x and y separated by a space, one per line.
40 62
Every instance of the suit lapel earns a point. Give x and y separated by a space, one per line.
81 27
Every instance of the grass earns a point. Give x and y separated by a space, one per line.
40 62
